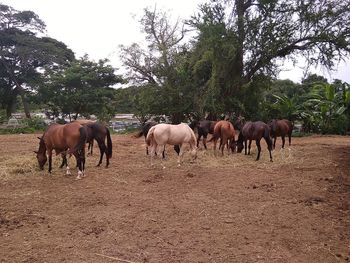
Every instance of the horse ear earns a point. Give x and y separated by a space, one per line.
39 138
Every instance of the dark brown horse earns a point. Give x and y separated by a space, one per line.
61 138
226 132
203 129
99 132
145 127
254 131
281 128
90 142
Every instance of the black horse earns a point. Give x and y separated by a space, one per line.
254 131
145 127
203 129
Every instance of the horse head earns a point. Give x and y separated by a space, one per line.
240 142
41 154
239 123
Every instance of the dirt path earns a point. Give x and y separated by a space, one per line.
219 209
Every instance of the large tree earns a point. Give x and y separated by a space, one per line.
24 54
85 88
241 40
161 66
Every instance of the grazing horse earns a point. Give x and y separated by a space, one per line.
226 132
144 131
254 131
203 127
281 128
60 138
162 134
239 123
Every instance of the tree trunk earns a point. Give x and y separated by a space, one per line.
24 102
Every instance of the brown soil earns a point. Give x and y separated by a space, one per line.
219 209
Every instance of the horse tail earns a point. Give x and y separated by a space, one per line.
267 137
150 136
139 134
109 144
82 140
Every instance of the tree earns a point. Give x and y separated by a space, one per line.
85 87
24 54
162 65
247 38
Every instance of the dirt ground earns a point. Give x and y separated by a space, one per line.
219 209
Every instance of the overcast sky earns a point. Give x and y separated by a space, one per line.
97 28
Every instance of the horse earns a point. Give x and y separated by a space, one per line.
90 142
226 132
254 131
61 137
281 128
204 127
145 127
162 134
99 132
239 123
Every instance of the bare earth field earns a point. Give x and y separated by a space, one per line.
219 209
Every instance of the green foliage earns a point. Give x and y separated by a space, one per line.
85 87
22 53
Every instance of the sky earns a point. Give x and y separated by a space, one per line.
97 28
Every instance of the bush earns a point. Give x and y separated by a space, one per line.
37 124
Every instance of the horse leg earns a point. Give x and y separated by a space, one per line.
283 141
269 146
199 138
160 150
205 140
179 158
79 158
215 142
64 159
290 138
274 142
250 144
153 152
259 149
49 153
245 147
163 153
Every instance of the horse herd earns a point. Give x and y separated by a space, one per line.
71 139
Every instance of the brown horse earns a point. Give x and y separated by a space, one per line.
281 128
99 132
203 128
162 134
60 138
254 131
226 132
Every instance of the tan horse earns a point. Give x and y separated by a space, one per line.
226 132
60 138
162 134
